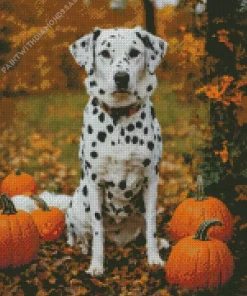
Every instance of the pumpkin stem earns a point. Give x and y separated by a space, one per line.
8 206
200 194
202 230
41 203
17 172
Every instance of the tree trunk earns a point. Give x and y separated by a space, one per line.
150 16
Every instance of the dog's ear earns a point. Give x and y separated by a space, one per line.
155 48
83 50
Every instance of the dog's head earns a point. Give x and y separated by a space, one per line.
120 64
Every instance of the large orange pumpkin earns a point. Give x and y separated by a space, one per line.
19 236
193 211
49 220
200 262
18 183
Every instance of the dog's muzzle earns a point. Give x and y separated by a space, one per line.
122 81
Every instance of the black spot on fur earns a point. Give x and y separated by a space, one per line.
94 176
94 144
110 128
95 101
94 154
96 233
101 136
127 209
102 117
149 88
96 34
145 131
97 216
113 143
135 140
110 195
127 139
122 185
161 44
101 91
143 115
87 209
128 194
130 127
85 190
152 112
95 110
87 165
139 124
89 129
93 83
157 169
122 132
111 184
146 162
150 145
141 142
70 204
83 44
146 41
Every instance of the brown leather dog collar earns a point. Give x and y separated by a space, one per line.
118 112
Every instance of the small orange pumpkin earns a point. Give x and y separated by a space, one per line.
18 183
200 262
19 236
49 220
193 211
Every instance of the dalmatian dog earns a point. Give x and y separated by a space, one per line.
121 144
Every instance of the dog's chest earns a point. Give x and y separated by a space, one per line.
121 156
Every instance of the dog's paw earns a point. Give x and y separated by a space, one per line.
95 270
163 244
155 259
84 249
71 241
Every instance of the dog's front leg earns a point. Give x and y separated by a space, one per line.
97 261
150 199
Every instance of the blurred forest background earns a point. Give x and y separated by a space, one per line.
44 90
200 101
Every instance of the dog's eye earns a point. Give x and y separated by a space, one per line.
105 53
134 53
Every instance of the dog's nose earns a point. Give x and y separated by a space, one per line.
122 79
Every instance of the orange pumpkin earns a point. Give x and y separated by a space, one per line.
18 183
19 236
49 220
200 262
193 211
